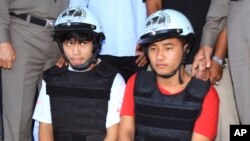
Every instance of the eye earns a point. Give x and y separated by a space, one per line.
152 48
69 42
168 48
83 43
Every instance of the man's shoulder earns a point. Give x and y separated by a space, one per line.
54 70
198 88
106 69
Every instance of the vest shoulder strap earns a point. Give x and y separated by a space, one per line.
53 71
105 70
198 88
145 83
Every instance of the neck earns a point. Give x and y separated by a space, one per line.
172 84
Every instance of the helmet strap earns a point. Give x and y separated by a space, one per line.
91 61
172 73
81 67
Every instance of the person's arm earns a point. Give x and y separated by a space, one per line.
112 133
4 21
77 3
45 132
216 70
127 123
199 137
114 108
42 114
221 45
205 128
127 128
153 6
215 23
7 51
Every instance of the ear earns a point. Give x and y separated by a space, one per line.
186 48
185 53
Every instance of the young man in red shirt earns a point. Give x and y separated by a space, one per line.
167 104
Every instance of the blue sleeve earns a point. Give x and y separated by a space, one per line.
77 3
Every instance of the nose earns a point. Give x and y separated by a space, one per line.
75 49
160 54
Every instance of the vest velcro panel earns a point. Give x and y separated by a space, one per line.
158 115
79 101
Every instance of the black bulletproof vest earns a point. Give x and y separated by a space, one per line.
196 12
79 102
162 117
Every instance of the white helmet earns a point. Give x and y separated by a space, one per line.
82 20
166 24
76 19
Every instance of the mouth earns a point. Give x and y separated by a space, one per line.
161 65
76 61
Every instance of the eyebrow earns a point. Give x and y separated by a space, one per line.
168 43
165 44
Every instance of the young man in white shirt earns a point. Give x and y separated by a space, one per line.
80 101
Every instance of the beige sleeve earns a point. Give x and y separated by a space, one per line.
4 21
215 22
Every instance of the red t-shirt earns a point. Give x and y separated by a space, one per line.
206 124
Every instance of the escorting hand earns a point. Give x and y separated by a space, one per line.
7 55
215 72
61 62
202 61
141 60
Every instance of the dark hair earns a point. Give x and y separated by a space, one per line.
76 35
79 36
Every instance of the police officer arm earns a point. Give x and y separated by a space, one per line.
7 51
216 69
45 132
215 22
127 128
153 6
7 55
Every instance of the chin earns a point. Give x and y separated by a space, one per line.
76 63
162 72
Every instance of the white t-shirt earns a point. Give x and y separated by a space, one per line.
42 111
122 22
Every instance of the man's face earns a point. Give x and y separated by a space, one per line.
165 55
78 53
